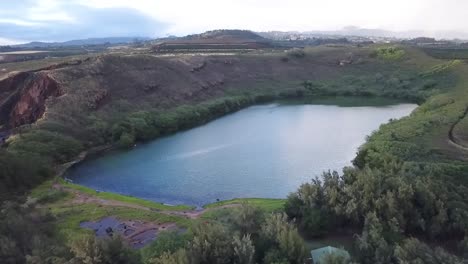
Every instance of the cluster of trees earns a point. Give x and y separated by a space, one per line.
389 53
387 203
401 185
19 172
411 86
28 235
245 236
145 125
30 156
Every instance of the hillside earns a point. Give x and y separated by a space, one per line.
216 39
408 181
81 42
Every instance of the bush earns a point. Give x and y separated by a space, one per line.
389 53
296 53
168 242
126 140
51 196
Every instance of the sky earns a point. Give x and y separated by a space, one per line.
60 20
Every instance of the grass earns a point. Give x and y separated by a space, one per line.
270 205
126 199
448 53
413 139
69 216
36 64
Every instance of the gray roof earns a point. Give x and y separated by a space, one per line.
319 253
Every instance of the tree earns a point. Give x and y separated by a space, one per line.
284 238
247 219
244 250
334 259
27 234
90 250
126 140
314 222
211 244
178 257
372 246
87 251
413 251
168 242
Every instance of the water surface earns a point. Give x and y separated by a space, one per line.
261 151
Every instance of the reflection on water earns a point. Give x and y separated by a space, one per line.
261 151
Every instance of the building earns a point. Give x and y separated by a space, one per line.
319 254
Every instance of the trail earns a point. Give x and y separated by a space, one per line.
137 233
83 198
451 138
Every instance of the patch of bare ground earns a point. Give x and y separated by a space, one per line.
84 198
137 233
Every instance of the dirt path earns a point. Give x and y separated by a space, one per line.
83 198
451 138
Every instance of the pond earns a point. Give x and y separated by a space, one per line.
261 151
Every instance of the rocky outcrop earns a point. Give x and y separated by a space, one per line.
28 103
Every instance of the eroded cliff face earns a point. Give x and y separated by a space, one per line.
23 97
110 85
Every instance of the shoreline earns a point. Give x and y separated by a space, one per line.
102 150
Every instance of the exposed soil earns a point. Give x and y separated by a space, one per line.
83 198
453 139
137 233
24 97
105 83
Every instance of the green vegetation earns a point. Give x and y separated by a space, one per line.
405 183
296 53
448 53
441 67
405 197
389 53
125 198
268 205
250 236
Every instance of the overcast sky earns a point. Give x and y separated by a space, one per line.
58 20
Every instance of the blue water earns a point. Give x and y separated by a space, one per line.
261 151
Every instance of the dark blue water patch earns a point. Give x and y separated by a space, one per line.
261 151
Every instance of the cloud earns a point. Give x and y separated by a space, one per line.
4 41
51 20
65 19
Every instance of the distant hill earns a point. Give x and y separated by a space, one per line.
82 42
215 39
372 33
227 35
218 36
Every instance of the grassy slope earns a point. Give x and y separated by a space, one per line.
126 199
422 138
423 134
70 215
270 205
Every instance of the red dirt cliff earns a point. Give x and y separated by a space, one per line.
27 104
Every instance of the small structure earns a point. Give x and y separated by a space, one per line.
319 254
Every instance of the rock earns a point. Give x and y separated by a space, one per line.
29 103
